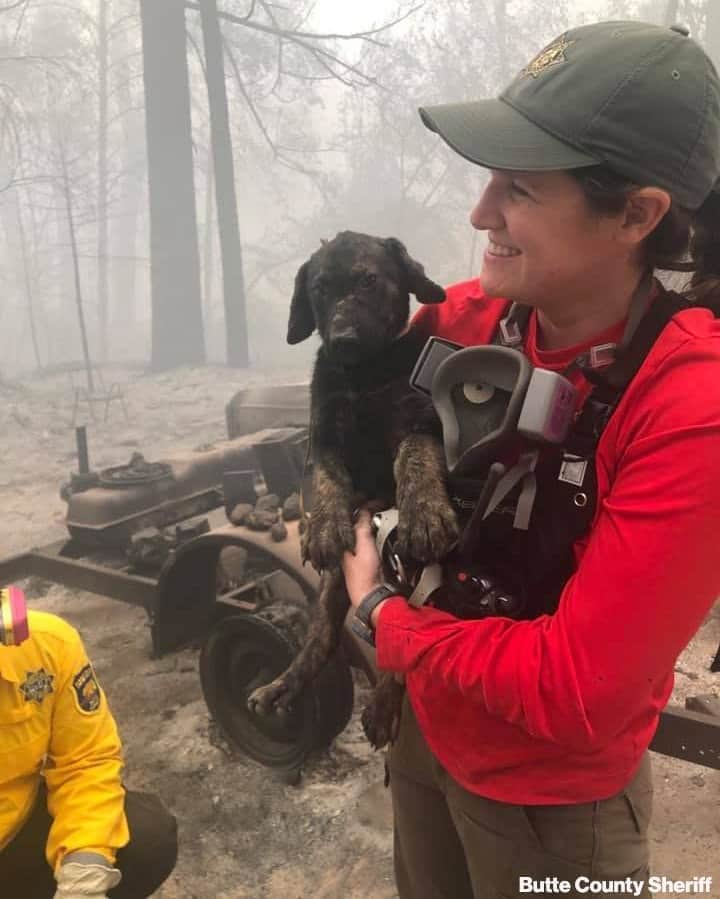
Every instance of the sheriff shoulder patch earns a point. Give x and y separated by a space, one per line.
87 690
37 685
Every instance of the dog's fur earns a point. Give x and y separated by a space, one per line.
372 437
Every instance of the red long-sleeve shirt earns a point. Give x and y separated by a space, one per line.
560 709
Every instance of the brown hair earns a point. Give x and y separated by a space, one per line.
683 241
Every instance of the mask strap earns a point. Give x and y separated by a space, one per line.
512 327
638 307
523 470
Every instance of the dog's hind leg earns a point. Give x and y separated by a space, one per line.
322 639
381 716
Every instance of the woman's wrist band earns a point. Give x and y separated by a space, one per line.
361 623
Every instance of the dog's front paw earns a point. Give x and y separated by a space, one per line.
427 527
277 696
327 536
381 717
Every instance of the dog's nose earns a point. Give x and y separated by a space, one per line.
345 344
344 337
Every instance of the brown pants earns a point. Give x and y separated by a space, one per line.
452 844
145 862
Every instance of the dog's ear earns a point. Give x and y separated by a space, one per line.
425 290
302 321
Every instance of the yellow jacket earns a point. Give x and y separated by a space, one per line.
55 723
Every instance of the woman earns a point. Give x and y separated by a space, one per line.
521 764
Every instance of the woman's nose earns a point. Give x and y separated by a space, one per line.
487 215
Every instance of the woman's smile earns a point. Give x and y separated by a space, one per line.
498 250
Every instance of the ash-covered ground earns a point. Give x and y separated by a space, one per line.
243 833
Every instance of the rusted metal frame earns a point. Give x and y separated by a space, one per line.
681 734
47 562
286 557
715 667
691 736
255 589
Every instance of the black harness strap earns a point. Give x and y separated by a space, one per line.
611 383
539 561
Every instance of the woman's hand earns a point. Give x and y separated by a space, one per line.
362 568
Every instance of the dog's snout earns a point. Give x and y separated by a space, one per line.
346 345
346 335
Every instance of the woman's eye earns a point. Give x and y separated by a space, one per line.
368 280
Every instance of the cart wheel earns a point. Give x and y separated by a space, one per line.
245 651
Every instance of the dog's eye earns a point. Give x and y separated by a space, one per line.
368 280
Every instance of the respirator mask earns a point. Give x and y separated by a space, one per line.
13 617
485 396
488 398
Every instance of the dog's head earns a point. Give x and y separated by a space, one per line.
356 291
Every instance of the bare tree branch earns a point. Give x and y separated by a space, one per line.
248 15
276 150
266 266
301 77
425 202
301 39
33 59
285 32
317 53
278 74
248 99
198 53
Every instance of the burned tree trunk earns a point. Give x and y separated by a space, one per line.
207 265
102 178
27 281
228 228
126 225
67 194
177 325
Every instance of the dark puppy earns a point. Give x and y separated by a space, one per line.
372 436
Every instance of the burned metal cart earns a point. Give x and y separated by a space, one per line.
154 534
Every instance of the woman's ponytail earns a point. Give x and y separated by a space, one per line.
704 286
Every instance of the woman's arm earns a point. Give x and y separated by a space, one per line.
647 578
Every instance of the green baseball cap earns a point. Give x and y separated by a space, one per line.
640 98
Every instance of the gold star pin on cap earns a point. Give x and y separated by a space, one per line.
550 56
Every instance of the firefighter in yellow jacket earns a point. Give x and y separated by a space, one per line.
61 793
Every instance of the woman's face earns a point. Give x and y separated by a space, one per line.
545 245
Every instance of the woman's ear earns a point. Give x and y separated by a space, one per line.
645 209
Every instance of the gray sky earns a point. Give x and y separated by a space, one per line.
355 15
351 16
